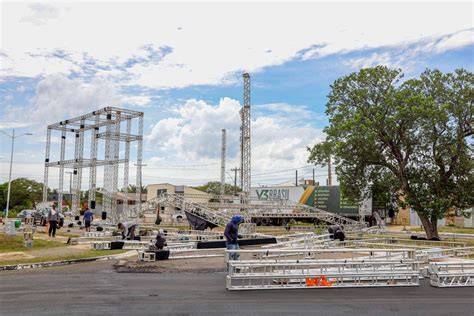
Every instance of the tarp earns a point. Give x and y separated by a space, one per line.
198 223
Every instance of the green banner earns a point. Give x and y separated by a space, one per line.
329 198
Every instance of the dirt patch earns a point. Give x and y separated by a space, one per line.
14 255
198 265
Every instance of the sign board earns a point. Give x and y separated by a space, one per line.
277 193
329 198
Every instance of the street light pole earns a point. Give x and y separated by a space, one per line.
11 164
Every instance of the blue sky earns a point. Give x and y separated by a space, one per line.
182 65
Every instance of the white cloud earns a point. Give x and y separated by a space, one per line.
194 134
456 40
164 45
142 101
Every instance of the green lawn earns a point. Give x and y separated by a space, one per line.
82 255
15 243
447 229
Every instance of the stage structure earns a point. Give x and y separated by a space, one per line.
108 129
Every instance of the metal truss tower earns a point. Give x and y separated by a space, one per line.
223 155
104 124
245 148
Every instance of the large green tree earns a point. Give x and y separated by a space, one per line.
24 193
214 188
414 138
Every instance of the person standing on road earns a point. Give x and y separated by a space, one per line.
231 234
53 219
88 218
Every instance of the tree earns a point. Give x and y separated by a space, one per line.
24 193
133 189
414 137
214 188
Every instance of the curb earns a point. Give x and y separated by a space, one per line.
62 263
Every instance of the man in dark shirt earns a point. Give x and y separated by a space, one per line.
88 218
231 234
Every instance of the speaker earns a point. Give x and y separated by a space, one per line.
104 216
77 217
93 205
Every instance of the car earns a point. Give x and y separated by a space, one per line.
24 213
41 216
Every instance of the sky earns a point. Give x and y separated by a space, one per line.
181 63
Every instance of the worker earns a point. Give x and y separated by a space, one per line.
53 219
336 232
128 230
160 242
88 218
231 234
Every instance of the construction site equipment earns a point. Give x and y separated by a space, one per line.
146 256
215 214
452 274
265 271
104 124
215 217
245 146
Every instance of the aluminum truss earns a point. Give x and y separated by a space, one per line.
245 147
104 124
452 274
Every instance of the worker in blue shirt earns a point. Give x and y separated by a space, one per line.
88 218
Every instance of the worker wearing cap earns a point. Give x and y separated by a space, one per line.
231 234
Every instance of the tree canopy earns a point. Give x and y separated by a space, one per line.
214 188
24 194
413 138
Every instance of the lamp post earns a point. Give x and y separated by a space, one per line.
11 163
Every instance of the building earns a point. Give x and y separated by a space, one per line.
172 214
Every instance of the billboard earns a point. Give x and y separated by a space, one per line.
329 198
277 193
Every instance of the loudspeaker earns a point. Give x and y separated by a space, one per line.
93 205
104 216
77 217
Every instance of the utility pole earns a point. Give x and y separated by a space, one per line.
329 171
235 179
223 150
296 178
314 183
11 165
140 182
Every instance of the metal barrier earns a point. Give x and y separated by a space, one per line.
452 274
306 270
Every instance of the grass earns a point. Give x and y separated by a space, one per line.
446 229
86 254
15 243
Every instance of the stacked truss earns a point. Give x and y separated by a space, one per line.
104 124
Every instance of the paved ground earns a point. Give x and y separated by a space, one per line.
96 289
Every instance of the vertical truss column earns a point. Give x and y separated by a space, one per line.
107 197
46 168
61 170
115 165
93 170
245 162
139 162
223 154
77 173
126 167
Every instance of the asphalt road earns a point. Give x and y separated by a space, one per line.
96 289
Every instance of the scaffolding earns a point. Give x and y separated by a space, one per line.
106 125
